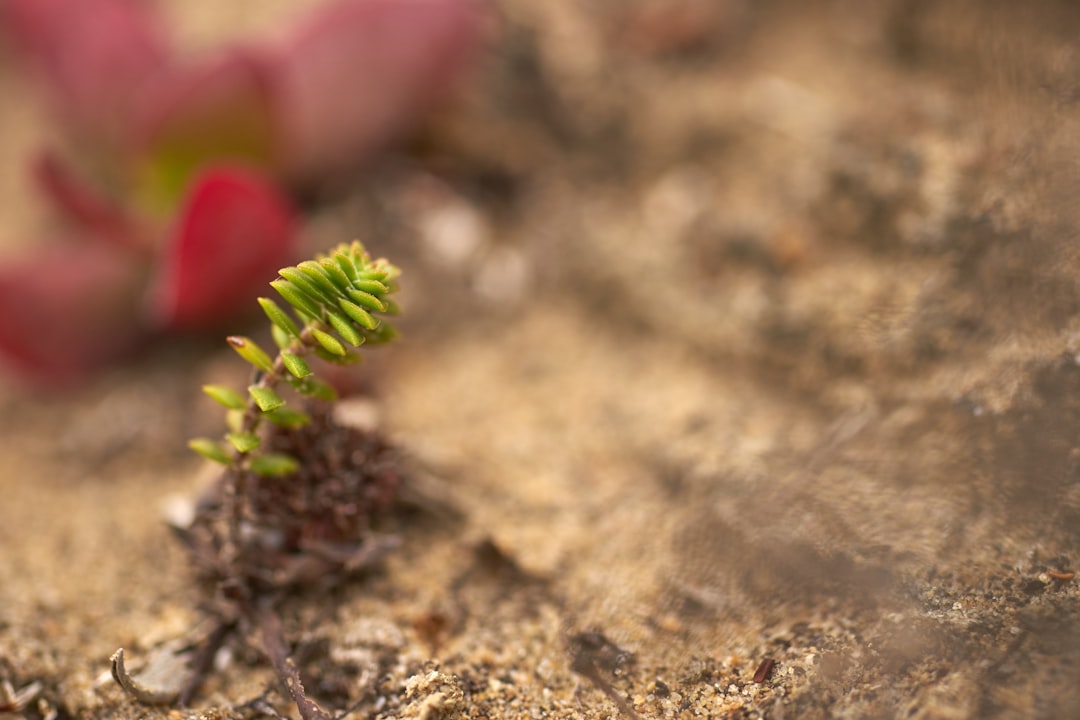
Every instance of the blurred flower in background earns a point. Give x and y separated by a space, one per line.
175 175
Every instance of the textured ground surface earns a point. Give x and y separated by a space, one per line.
737 331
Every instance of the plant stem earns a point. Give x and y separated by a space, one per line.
274 644
270 379
204 660
237 486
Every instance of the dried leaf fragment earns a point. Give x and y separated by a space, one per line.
137 690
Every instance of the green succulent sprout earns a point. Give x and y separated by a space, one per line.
338 301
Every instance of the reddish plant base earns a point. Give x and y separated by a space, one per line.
314 527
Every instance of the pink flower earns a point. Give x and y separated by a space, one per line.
105 290
177 214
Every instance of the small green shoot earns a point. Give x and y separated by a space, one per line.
336 301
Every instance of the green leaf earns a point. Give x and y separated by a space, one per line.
371 274
265 398
349 358
301 281
359 315
282 339
344 328
384 333
274 464
295 364
250 351
390 271
234 419
287 417
337 276
328 342
211 450
357 252
244 442
279 317
297 298
373 287
367 300
318 276
313 388
346 264
226 396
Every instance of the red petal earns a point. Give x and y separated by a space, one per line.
217 111
362 71
97 57
233 234
67 311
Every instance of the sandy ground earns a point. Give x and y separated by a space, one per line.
737 332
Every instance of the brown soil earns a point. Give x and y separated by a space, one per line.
737 331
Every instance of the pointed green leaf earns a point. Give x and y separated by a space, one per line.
279 317
244 442
265 398
328 342
357 252
213 451
301 281
390 271
383 334
234 420
314 388
226 396
344 328
319 276
367 300
272 464
287 417
349 358
346 264
372 274
337 276
282 339
295 364
247 349
359 315
374 287
297 298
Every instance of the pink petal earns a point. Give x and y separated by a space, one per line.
232 235
214 111
97 216
97 58
67 311
362 72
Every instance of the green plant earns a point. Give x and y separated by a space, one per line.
338 301
300 496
